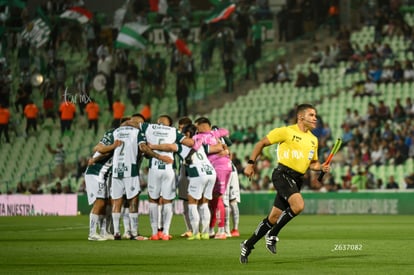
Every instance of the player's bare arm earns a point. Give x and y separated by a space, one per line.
171 147
217 148
94 160
149 152
102 148
188 142
225 152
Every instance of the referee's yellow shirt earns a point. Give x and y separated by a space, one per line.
296 149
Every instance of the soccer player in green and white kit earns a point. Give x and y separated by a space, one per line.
125 171
96 175
183 183
231 200
201 176
161 175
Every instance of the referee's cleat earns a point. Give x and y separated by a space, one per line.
271 243
244 252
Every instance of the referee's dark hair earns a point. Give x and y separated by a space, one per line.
302 107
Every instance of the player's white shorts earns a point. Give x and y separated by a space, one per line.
95 188
161 181
202 186
129 186
233 189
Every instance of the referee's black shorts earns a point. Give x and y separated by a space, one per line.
286 182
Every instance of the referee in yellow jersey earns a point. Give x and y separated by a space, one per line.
296 153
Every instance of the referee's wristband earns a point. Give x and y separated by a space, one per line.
250 161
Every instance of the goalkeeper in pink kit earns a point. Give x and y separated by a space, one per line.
219 157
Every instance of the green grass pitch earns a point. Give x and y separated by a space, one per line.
308 245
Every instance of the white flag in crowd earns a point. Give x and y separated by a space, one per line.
37 32
119 15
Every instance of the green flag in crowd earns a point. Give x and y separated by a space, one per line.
130 36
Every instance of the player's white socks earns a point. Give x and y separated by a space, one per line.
227 223
205 217
236 214
93 222
115 218
167 217
160 206
108 219
133 217
126 219
153 215
194 218
102 224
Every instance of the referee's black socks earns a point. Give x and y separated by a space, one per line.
284 218
261 230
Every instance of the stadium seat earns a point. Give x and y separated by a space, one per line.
409 165
399 175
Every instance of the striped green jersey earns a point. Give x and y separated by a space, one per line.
102 166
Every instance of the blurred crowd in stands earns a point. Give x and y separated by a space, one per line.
384 136
134 78
131 77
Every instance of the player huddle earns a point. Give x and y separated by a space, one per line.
207 180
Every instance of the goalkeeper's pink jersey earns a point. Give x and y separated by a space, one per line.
213 138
